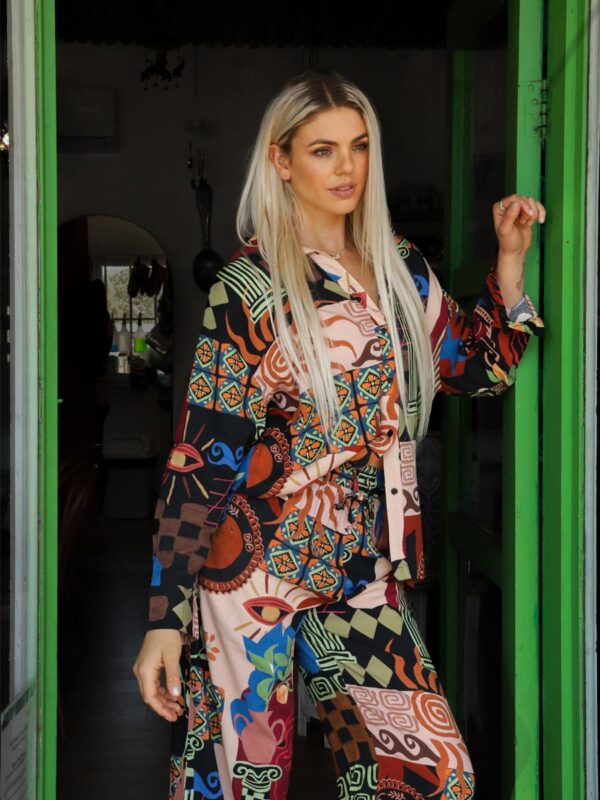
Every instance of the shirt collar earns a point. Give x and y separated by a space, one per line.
326 263
339 273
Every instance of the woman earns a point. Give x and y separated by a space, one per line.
296 463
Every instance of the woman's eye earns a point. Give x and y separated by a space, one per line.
361 146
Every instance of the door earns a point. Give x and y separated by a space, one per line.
28 586
490 652
29 706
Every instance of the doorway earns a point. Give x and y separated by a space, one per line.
415 208
114 426
160 134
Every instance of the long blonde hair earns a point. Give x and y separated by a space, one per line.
268 209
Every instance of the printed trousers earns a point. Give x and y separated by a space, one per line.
365 664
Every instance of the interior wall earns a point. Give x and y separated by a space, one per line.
147 180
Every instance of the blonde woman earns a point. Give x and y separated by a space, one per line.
288 519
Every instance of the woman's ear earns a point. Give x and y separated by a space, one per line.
280 161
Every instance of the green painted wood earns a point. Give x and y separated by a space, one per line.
521 412
47 226
563 393
513 566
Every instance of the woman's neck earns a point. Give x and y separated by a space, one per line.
330 239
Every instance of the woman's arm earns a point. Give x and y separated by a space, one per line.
478 354
220 418
514 218
222 414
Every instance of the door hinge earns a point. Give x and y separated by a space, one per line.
535 115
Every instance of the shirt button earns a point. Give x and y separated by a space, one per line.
394 490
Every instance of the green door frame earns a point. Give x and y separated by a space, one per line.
563 430
512 565
592 310
48 400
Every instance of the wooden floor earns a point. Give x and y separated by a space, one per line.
113 746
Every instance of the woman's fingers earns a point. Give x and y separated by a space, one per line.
531 210
512 203
515 213
160 650
171 662
173 703
523 209
540 211
156 696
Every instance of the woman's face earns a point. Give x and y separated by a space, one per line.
328 152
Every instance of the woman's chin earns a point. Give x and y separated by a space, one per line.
341 206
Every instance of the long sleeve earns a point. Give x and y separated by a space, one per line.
477 353
221 416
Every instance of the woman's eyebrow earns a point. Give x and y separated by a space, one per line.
330 141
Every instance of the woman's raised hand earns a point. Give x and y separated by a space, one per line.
161 649
513 221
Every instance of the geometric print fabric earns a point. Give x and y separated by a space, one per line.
273 545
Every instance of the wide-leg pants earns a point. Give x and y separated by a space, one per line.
365 664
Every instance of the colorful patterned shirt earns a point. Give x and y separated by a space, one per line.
247 432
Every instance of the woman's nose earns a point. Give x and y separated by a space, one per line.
345 163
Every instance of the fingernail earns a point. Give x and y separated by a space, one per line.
542 218
175 690
514 204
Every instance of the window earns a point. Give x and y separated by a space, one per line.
117 275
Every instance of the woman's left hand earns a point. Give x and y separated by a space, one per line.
513 221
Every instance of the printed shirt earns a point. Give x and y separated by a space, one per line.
246 429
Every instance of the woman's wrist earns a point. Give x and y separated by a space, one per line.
509 271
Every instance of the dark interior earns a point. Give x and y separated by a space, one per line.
110 743
261 24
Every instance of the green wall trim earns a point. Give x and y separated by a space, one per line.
48 533
563 393
521 427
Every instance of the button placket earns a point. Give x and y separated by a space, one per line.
391 456
394 500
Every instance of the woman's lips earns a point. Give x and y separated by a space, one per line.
344 192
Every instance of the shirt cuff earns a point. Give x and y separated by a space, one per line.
521 311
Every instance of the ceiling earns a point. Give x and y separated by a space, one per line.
265 23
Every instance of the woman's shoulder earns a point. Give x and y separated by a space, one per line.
246 277
248 250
